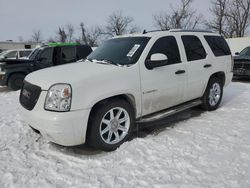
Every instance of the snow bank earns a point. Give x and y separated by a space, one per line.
191 149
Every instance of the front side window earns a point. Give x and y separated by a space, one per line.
122 51
168 46
193 48
45 56
218 45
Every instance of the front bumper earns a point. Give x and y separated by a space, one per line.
241 72
63 128
3 78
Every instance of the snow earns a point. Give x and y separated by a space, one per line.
190 149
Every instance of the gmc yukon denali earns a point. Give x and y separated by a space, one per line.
127 80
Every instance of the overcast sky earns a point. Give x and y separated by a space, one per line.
21 17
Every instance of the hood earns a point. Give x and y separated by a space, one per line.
236 58
72 73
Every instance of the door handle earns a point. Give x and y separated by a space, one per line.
207 66
180 72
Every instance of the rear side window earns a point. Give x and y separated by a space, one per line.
68 54
193 47
24 53
82 51
218 45
168 46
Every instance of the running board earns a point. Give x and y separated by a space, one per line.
168 112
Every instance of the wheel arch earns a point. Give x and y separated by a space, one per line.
13 73
220 75
127 97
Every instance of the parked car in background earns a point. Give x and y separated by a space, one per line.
13 71
129 79
15 54
242 64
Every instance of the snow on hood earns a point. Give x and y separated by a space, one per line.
69 73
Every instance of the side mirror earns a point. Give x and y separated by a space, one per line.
156 60
237 53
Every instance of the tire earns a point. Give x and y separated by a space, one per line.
110 124
213 94
15 81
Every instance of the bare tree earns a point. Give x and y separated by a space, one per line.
231 17
219 12
118 24
61 35
70 32
90 36
36 36
238 17
181 16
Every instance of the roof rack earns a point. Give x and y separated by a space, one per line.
191 30
53 44
157 30
180 30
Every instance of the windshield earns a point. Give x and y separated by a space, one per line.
33 54
245 52
122 51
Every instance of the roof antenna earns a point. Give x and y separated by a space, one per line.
144 31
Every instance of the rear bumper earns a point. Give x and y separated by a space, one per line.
63 128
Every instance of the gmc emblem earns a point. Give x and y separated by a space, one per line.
26 93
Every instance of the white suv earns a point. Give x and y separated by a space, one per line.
127 80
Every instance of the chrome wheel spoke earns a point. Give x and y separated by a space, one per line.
109 136
123 119
117 137
121 128
105 130
118 114
106 122
112 116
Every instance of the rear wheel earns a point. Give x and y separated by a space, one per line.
213 94
110 124
15 81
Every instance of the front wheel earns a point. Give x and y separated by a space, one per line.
213 94
110 124
15 81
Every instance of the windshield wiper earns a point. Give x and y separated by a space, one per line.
106 61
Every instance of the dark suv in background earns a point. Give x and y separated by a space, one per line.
242 64
13 71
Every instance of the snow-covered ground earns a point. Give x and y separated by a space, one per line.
191 149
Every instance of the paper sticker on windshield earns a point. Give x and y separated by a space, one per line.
133 50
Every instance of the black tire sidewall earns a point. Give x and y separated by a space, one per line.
12 82
205 99
93 134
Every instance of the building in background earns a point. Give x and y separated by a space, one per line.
9 45
238 44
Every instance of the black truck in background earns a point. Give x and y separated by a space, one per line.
13 71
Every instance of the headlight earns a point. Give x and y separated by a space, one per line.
59 98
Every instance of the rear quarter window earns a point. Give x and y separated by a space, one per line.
218 45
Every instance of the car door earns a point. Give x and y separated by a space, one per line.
163 87
197 65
